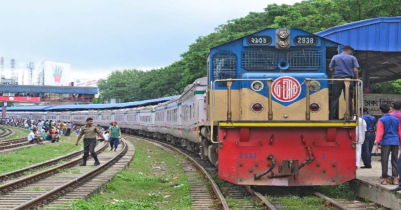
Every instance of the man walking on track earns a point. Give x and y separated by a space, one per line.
369 139
89 132
344 66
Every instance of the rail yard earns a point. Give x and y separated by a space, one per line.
212 105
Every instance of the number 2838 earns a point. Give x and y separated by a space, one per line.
247 155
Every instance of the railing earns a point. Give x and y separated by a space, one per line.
358 98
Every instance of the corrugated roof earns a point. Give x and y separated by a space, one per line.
109 106
27 108
48 89
377 34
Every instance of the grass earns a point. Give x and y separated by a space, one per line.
154 180
298 203
39 153
18 133
38 189
342 191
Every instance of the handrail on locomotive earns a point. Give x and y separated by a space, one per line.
357 105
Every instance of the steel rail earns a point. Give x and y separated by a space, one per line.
20 172
332 202
11 186
7 132
215 188
69 186
15 144
261 198
14 141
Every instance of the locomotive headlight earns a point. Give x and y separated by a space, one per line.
315 85
283 34
257 107
283 44
257 85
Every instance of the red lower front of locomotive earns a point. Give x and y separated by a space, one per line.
287 156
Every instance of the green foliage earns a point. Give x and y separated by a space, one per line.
308 15
389 87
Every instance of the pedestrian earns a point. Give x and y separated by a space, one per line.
64 125
369 138
115 135
388 135
396 110
89 132
360 138
344 66
34 138
68 129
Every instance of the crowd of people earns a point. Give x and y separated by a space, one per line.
385 131
52 130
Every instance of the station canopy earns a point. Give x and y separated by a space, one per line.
48 89
80 107
377 45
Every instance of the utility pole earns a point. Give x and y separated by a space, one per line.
31 67
2 68
12 70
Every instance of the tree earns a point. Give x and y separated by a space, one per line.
309 15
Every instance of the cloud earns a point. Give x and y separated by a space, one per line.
105 34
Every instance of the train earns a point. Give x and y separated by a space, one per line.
261 115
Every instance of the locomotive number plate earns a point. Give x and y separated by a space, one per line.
259 40
305 40
247 155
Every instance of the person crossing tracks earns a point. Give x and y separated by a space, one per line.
89 132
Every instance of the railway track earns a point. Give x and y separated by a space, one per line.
55 161
240 193
5 132
44 187
204 190
13 143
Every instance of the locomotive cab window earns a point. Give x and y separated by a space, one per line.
224 65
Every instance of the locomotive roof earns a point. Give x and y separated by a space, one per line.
325 39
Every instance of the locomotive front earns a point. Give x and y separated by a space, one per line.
268 112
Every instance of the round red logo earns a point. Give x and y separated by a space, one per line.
286 89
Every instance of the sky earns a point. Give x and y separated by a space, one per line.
99 36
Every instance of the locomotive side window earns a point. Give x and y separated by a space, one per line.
259 60
224 65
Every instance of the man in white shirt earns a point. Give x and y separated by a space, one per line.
32 138
360 138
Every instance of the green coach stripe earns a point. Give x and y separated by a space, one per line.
197 92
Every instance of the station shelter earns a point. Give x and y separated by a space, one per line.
47 95
377 46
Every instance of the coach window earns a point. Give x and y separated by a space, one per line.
224 65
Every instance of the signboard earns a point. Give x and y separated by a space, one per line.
20 98
90 83
56 73
373 101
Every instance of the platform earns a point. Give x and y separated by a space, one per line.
367 185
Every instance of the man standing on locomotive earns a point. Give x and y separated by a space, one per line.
344 66
89 131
